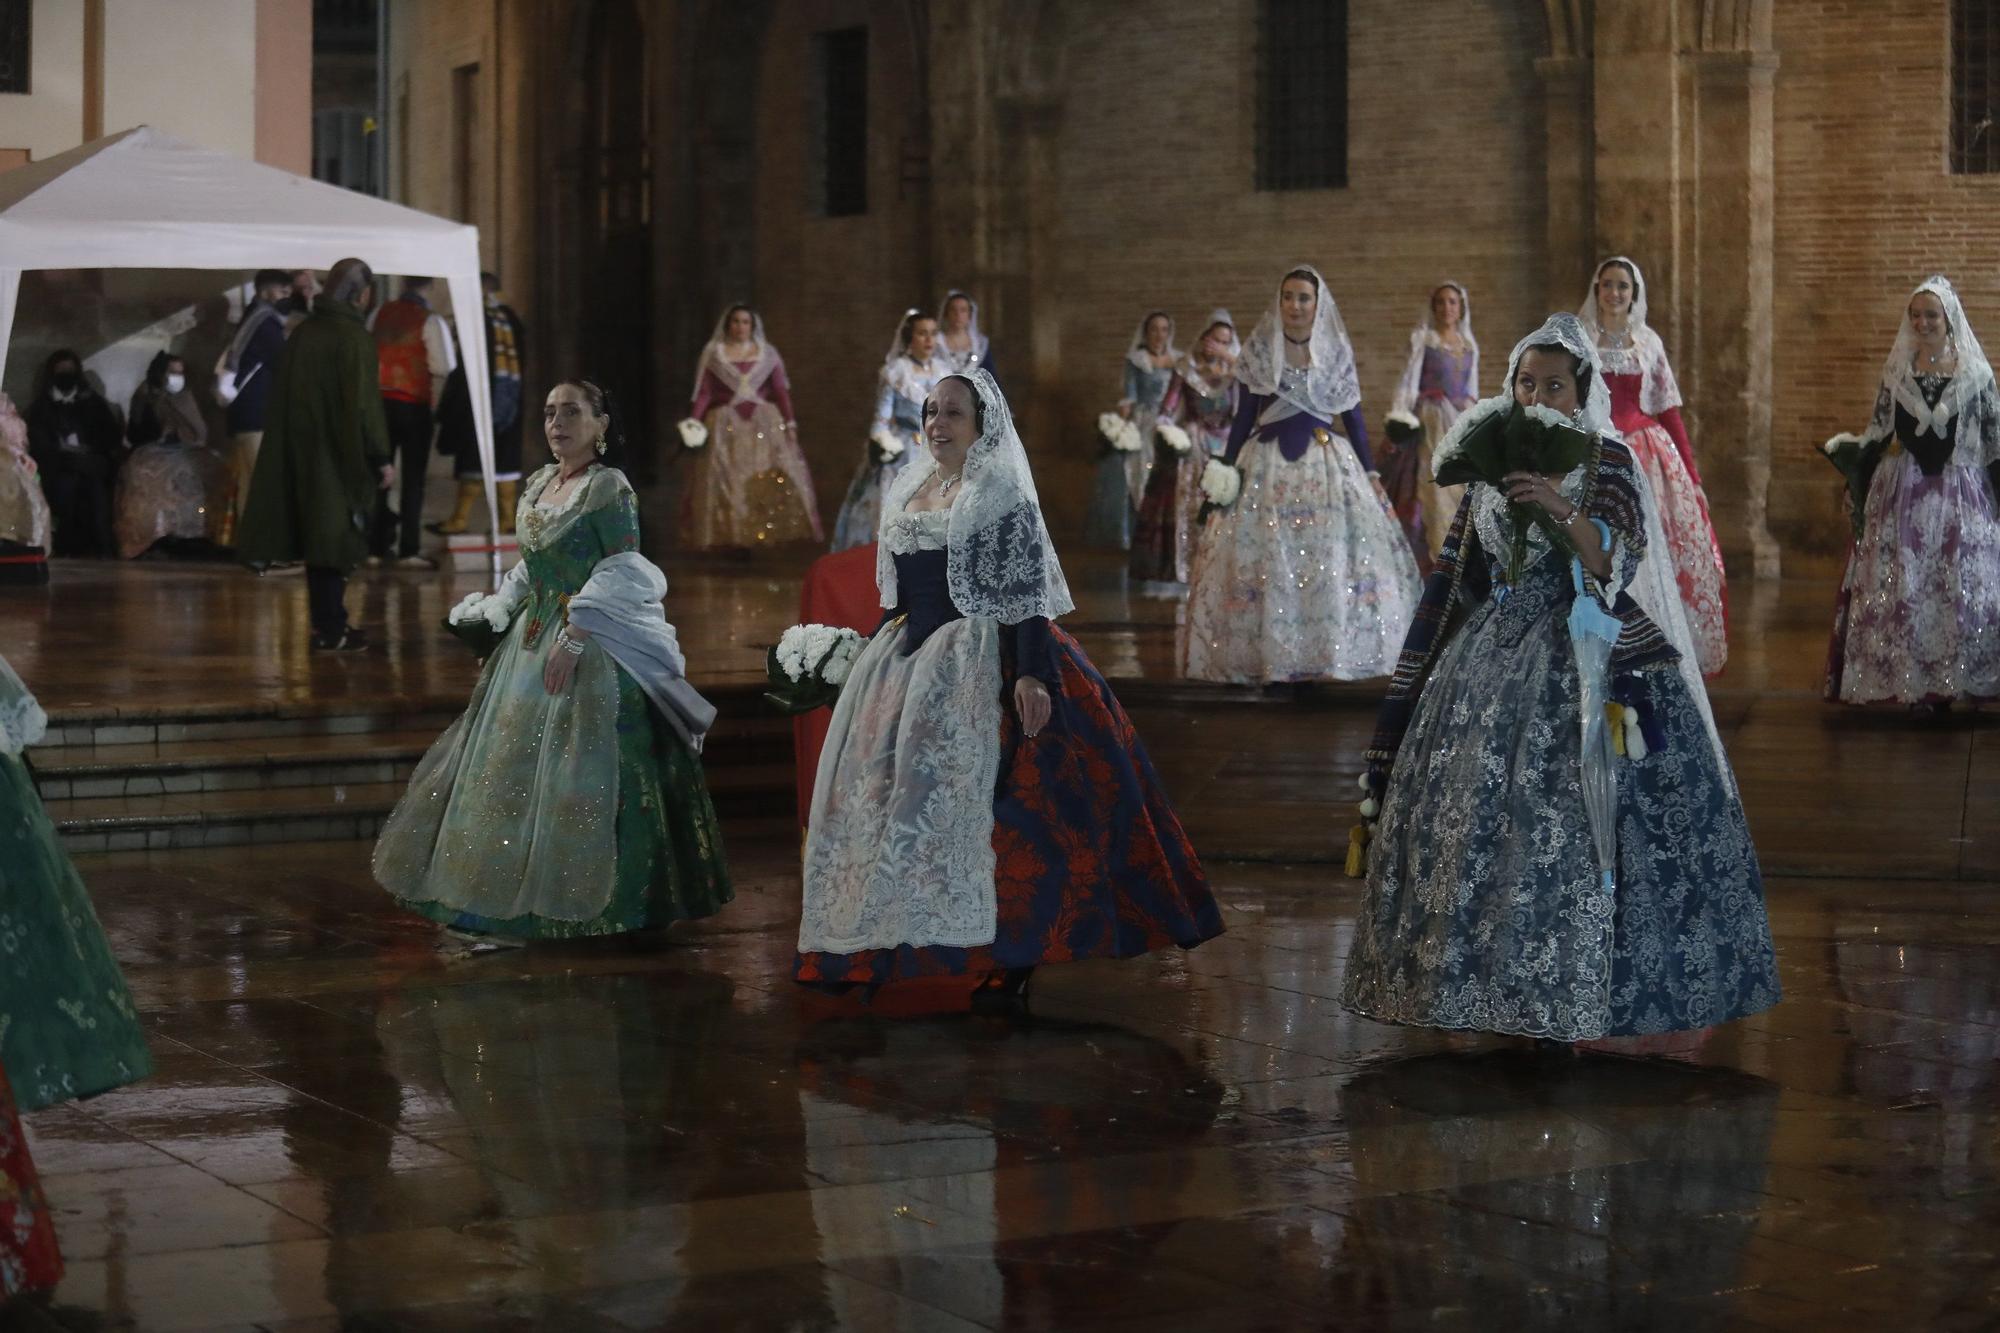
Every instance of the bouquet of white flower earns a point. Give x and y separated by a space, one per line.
809 664
1221 483
694 435
479 621
1173 437
888 445
1118 433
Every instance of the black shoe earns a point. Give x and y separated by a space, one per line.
349 640
1003 994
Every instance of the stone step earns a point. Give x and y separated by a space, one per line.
752 800
129 780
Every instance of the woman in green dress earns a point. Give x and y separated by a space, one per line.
568 798
67 1026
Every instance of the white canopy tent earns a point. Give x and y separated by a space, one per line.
143 199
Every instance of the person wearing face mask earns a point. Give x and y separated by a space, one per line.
981 804
169 488
1528 872
1302 574
325 456
76 441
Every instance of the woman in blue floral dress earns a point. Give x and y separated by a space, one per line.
1492 902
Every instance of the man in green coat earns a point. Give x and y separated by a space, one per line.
325 455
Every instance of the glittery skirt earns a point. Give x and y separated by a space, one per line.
1919 612
861 512
1485 907
540 816
1306 577
749 486
168 490
1691 542
1163 534
1086 858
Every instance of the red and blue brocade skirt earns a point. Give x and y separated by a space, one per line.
1090 859
29 1261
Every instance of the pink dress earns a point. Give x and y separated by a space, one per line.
1659 444
749 485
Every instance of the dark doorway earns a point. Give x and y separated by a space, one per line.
617 332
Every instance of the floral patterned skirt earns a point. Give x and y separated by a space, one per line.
1919 613
67 1025
1485 908
1306 577
29 1261
749 487
1697 556
1089 859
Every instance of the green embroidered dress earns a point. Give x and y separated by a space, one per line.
67 1026
540 816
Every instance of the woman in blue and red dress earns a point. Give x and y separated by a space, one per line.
982 804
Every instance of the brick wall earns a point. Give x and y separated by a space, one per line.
1156 153
832 289
1865 210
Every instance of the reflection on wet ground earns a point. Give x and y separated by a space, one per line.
348 1132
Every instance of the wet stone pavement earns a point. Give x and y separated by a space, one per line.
347 1131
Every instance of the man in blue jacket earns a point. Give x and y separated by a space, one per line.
248 368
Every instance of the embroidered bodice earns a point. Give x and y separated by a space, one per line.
923 530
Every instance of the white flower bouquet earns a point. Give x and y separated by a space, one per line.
1173 437
889 446
479 621
1118 433
694 435
808 665
1221 483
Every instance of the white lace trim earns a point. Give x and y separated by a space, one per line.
900 848
925 530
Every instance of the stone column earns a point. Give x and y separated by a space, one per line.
1733 279
1568 116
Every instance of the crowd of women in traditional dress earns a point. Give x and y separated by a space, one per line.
1263 502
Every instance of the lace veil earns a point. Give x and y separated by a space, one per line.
1425 336
1899 373
725 370
1332 385
1653 586
999 561
1138 353
1646 357
975 354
